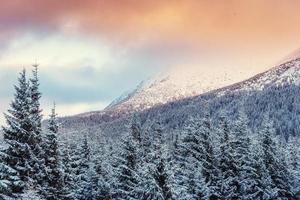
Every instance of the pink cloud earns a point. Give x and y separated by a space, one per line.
238 24
124 20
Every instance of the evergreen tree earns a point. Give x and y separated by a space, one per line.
154 184
36 127
90 184
86 177
67 192
208 157
100 164
54 182
136 129
294 165
198 159
263 183
10 183
126 170
274 163
82 168
227 163
72 159
178 176
17 136
35 111
247 185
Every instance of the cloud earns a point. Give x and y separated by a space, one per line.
73 71
130 20
75 90
238 26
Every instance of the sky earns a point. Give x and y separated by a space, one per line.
91 51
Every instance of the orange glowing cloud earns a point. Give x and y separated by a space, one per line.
244 26
231 20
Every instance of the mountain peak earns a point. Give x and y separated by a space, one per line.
175 84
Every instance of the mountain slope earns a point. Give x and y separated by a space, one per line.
286 73
276 92
173 85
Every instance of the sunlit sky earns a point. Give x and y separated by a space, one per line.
90 51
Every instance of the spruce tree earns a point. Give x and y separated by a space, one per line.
90 186
82 168
10 183
100 166
72 159
54 182
263 187
86 176
17 133
35 110
208 157
294 165
274 163
36 127
178 175
136 129
247 185
198 158
154 183
227 163
126 169
68 175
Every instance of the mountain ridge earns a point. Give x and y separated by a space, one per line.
275 90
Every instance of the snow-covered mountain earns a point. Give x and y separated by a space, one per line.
173 85
179 95
287 73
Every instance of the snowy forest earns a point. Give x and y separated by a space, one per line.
209 161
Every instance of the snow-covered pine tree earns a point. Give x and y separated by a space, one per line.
227 163
91 184
126 170
74 158
197 159
294 164
54 176
178 176
274 163
141 138
67 192
247 185
10 183
87 178
82 167
30 193
136 128
263 188
36 126
35 96
154 183
101 163
17 136
208 157
146 140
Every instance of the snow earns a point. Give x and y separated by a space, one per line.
286 73
175 84
126 95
